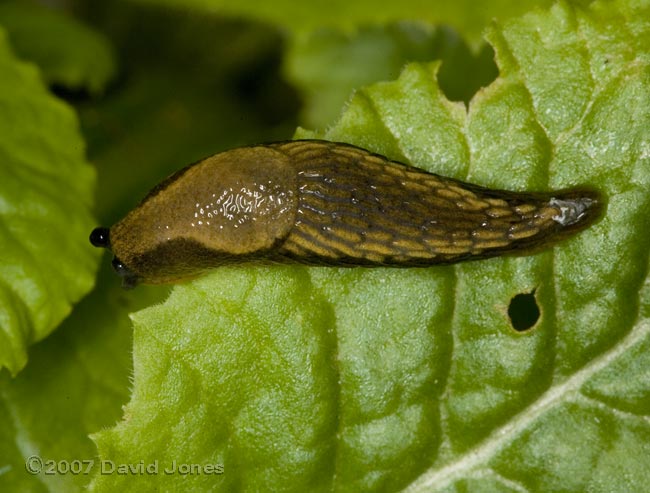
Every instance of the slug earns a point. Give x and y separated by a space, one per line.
326 203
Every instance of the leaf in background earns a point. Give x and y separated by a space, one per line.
68 53
193 86
320 379
328 65
466 16
46 188
75 384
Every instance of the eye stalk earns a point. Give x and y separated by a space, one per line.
100 237
129 279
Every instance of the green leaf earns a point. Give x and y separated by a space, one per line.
328 65
75 384
46 188
68 53
321 379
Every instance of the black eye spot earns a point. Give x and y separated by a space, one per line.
129 279
119 267
523 311
100 237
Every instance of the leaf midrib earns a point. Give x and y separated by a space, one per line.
502 436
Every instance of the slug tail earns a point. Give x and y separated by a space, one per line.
577 210
563 215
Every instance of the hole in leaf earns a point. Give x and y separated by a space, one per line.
523 311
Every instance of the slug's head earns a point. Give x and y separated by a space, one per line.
142 256
101 238
232 206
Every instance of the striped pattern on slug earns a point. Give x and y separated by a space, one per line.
326 203
358 208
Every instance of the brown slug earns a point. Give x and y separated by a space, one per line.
326 203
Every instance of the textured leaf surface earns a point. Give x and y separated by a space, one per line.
68 53
73 386
319 379
45 197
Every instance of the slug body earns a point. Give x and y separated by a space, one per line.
325 203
